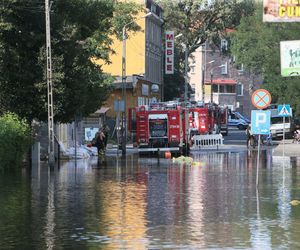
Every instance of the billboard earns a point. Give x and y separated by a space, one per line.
290 58
281 11
169 64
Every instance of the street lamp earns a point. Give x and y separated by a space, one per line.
123 123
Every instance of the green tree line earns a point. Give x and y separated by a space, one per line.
80 30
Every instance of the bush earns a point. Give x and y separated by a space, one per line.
15 140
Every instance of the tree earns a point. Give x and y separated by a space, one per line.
80 30
199 21
257 45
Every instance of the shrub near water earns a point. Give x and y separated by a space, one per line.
15 140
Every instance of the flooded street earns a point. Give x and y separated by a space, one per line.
141 203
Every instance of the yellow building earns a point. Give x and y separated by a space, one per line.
144 61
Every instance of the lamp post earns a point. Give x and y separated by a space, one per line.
186 52
123 122
211 86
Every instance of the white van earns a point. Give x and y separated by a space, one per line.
277 125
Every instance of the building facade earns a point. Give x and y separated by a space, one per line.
215 77
143 60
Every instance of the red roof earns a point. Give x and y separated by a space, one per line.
228 30
222 81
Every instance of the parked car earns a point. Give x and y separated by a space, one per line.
296 123
236 119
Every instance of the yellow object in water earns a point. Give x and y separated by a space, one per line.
183 160
198 164
295 202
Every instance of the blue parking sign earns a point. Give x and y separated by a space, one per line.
260 122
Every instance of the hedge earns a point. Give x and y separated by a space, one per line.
15 141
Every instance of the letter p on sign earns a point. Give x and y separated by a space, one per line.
261 118
260 122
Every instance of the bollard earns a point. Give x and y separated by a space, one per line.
158 156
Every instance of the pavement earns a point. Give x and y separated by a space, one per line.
290 148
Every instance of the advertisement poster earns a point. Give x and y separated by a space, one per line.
281 11
290 58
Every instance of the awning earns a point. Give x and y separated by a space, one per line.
222 81
102 110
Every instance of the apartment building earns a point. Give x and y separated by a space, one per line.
215 77
144 61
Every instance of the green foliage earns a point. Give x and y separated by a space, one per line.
202 20
257 45
80 30
15 140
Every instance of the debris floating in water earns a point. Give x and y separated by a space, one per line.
295 202
183 160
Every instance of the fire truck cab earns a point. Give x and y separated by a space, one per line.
157 127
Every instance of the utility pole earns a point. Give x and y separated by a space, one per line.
211 86
49 87
203 59
123 122
186 97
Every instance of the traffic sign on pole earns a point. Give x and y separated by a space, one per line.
260 122
284 110
261 98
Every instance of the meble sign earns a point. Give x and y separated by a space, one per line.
169 52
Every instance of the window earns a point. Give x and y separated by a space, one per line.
240 89
153 8
215 88
224 70
230 89
224 45
222 89
193 69
240 69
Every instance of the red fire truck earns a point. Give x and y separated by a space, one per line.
157 127
163 125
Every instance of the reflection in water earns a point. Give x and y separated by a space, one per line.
50 215
123 216
139 204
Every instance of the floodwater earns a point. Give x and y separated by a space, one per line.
141 203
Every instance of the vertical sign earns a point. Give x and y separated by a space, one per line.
290 57
169 52
260 122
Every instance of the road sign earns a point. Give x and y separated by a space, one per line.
260 122
284 110
261 98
